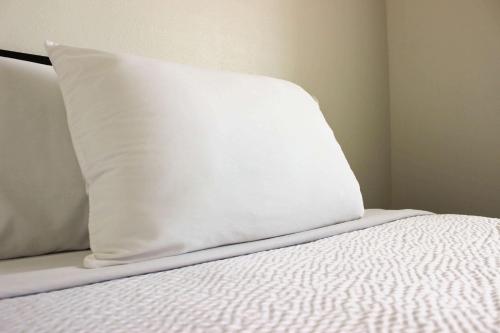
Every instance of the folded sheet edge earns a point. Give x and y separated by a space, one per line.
21 277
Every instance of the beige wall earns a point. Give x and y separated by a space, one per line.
336 49
444 75
445 104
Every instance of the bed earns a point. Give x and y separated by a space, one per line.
388 271
422 273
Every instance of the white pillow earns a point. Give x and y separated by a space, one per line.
179 159
43 205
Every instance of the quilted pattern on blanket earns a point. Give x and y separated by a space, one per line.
420 274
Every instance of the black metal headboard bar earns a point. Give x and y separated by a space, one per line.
26 57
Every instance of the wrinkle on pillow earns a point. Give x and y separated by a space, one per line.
179 159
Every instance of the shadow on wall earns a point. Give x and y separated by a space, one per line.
445 105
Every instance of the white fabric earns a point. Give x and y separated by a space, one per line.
64 270
434 273
43 205
179 159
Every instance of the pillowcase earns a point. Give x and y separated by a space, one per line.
43 204
180 159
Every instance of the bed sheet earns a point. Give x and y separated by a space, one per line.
420 274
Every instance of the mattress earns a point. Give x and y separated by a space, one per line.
413 274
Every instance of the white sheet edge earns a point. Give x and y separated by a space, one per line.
25 276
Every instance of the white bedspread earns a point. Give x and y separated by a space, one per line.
25 276
419 274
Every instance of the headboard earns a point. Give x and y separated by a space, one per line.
26 57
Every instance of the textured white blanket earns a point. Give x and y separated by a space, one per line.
420 274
